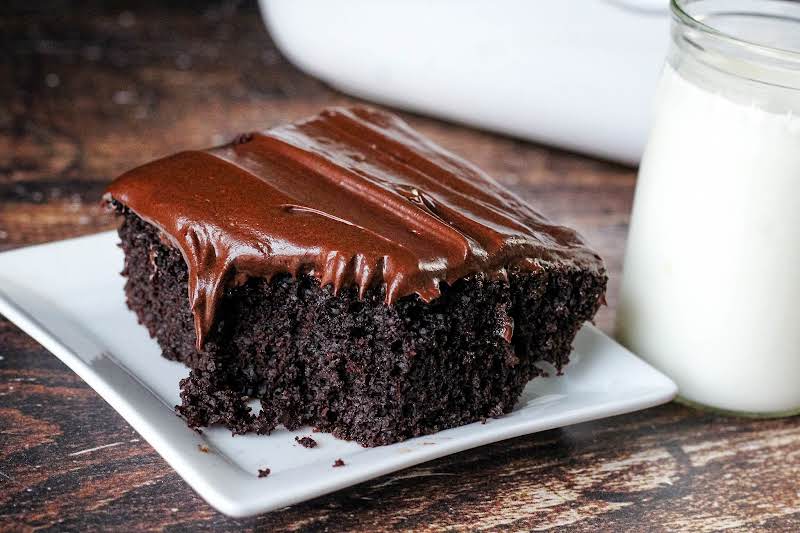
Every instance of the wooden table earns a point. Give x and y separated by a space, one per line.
88 93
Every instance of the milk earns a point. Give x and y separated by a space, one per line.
711 287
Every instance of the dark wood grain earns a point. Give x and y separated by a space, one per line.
87 92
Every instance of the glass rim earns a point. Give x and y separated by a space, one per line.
683 16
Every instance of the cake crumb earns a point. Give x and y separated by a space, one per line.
497 411
203 448
306 442
263 473
338 462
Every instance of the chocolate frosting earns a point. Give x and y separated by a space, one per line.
352 196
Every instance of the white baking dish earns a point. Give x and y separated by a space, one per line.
579 74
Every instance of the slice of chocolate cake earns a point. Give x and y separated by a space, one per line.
349 274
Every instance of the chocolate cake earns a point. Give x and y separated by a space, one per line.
350 275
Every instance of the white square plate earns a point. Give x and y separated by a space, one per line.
69 296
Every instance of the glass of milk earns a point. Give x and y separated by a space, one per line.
711 285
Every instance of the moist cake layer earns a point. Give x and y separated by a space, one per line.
351 365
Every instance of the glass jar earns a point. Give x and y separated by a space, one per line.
711 285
